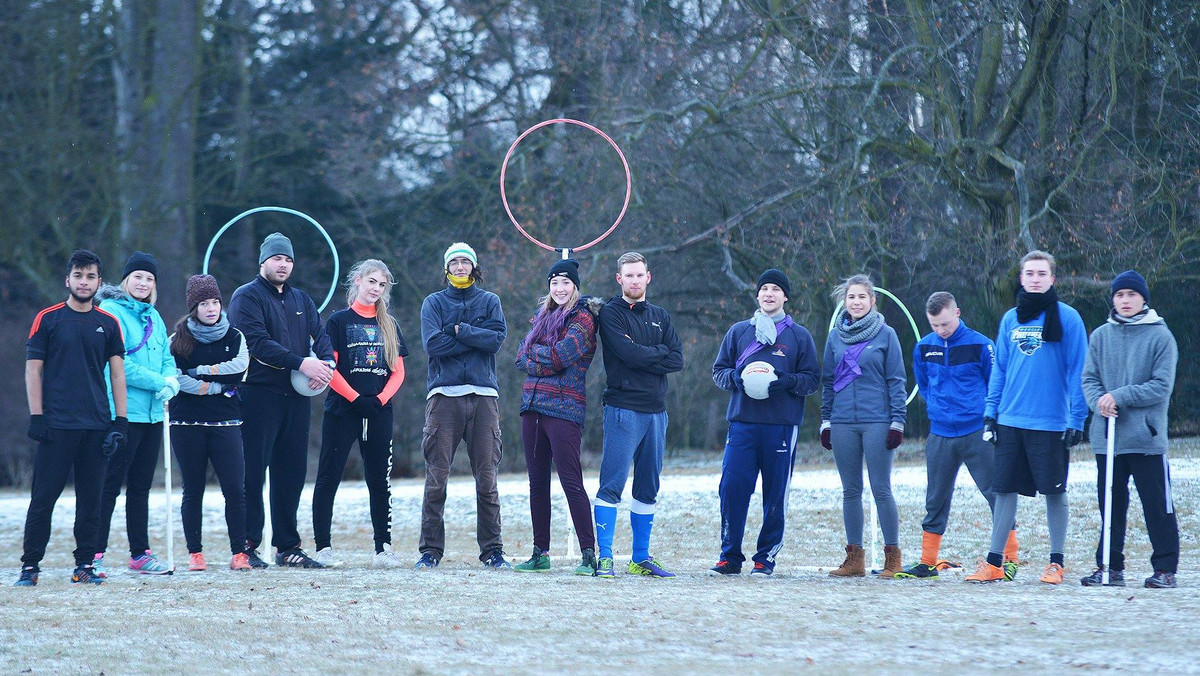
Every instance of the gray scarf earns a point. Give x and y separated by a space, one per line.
859 331
209 334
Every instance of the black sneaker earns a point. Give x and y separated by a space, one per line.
29 577
1161 579
1116 578
724 567
922 571
495 560
427 562
256 560
296 558
86 575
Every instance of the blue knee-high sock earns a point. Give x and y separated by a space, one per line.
606 523
641 520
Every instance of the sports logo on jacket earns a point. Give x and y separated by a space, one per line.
1027 338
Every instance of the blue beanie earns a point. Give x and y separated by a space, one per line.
1131 280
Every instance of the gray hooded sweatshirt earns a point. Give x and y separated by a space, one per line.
1135 362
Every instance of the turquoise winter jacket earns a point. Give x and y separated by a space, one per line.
146 368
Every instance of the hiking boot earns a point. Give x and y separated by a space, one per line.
240 561
604 568
387 558
1161 579
922 571
891 562
1010 570
254 559
854 565
587 563
649 568
327 558
986 573
148 564
427 562
1053 574
538 563
29 577
725 567
98 565
196 561
296 558
85 575
762 570
495 560
1116 578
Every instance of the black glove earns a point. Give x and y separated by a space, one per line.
738 385
366 406
114 441
990 431
784 382
39 431
1072 437
827 438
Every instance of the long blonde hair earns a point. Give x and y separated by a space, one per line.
387 325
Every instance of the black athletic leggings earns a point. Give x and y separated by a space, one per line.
195 447
132 467
338 433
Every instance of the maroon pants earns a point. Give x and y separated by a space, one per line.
548 439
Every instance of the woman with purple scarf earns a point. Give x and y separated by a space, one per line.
862 417
555 356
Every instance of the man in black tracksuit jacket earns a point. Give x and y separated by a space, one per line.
282 328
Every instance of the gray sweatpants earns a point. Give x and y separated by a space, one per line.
943 457
852 443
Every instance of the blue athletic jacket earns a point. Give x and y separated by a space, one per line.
953 379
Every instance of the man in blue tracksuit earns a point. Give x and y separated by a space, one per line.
762 432
1035 411
952 366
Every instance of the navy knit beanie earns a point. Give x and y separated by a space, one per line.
777 278
140 260
1130 279
565 267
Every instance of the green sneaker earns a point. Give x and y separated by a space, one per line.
538 563
918 571
587 566
650 568
1010 570
604 568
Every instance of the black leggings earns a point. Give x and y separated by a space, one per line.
338 433
195 446
133 467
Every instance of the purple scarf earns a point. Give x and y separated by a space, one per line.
759 343
847 369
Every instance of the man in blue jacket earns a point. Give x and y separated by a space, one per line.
762 432
952 366
1035 411
640 348
282 329
462 327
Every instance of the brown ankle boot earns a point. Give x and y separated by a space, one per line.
891 562
854 565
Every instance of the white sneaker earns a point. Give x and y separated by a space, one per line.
386 559
327 558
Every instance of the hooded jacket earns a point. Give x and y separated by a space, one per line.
1134 362
146 364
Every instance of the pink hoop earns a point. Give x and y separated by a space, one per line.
504 195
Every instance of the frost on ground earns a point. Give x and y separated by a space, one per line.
461 618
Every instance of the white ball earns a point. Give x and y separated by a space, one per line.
300 382
756 377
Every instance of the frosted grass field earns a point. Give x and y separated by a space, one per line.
461 618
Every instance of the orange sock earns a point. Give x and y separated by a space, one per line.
930 544
1010 547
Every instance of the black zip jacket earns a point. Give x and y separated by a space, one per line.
640 349
278 327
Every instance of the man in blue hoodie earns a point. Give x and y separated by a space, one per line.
762 432
952 366
1035 411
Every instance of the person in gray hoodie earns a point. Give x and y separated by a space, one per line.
862 417
1129 375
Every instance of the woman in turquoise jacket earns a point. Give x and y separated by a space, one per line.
150 382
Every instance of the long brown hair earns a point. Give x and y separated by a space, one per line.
183 342
387 325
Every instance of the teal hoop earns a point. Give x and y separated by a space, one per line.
337 270
911 322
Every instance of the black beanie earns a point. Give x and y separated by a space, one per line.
140 261
777 278
565 267
1130 279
